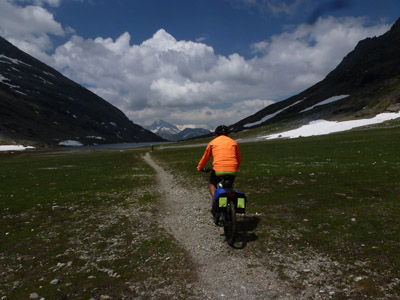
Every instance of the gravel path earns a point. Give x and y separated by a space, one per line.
223 272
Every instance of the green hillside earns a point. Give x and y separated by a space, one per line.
336 195
82 225
89 219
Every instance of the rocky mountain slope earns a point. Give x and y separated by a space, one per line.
364 84
189 133
163 129
173 133
40 106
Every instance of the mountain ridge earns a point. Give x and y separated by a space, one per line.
369 76
171 132
40 106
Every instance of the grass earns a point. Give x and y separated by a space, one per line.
336 194
88 220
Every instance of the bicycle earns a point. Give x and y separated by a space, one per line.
227 202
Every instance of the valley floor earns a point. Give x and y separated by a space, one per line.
223 272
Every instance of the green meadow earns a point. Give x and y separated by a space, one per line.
337 195
84 224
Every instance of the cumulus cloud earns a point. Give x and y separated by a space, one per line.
165 78
299 58
211 115
159 75
259 47
220 115
29 27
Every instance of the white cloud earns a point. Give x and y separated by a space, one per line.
297 59
53 3
160 76
175 93
275 7
28 27
259 47
163 76
223 114
210 115
279 6
201 39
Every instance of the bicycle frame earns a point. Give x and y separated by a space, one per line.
227 211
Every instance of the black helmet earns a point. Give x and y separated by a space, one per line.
221 130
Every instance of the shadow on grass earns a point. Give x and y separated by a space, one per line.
246 226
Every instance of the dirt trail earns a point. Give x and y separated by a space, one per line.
224 272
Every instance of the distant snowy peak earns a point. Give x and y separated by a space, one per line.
189 133
162 126
176 132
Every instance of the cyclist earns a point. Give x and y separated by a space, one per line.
226 157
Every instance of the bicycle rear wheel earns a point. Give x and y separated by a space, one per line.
230 229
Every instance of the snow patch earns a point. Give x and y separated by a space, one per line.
47 73
330 100
21 93
43 80
13 60
14 147
321 127
270 116
2 80
70 143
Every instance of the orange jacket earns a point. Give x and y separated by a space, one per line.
225 152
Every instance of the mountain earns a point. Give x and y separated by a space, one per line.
40 106
173 133
364 84
164 129
189 133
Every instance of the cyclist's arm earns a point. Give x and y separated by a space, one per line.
204 159
238 156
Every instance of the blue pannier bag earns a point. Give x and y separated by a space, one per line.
221 197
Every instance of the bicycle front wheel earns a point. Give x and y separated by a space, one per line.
230 229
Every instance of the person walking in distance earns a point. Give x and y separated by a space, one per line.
226 157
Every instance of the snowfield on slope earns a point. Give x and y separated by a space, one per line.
14 147
321 127
318 127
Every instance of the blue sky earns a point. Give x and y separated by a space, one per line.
201 62
227 26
